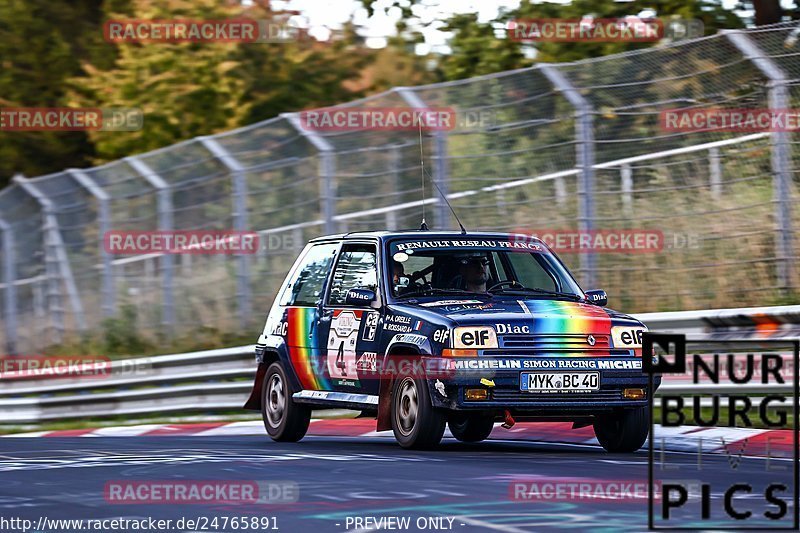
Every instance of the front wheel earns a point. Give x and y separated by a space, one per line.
624 431
471 428
285 420
415 423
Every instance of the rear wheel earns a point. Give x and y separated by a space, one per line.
285 420
623 431
415 423
470 428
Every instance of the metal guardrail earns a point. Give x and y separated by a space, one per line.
217 380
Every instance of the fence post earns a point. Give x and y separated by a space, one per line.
327 171
104 226
584 136
715 173
56 261
441 175
9 278
240 222
165 223
626 177
396 162
781 154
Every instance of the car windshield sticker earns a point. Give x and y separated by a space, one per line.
520 245
449 302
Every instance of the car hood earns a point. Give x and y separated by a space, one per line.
514 315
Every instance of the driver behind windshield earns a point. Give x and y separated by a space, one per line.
473 270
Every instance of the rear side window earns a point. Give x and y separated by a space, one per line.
356 269
305 287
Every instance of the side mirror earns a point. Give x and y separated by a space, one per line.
597 297
360 297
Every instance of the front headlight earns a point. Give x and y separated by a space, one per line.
474 337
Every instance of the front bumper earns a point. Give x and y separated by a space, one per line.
503 389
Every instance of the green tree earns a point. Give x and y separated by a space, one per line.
478 48
191 89
42 46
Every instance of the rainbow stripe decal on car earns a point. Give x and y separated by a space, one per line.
556 316
303 348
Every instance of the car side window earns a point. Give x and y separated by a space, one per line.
305 287
356 269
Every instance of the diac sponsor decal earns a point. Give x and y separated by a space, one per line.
503 329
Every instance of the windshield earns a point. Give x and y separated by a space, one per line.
487 266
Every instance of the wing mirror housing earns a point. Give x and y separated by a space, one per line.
597 297
361 297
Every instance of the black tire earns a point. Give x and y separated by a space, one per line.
284 420
470 428
624 431
415 423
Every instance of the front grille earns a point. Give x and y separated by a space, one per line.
514 395
566 344
570 342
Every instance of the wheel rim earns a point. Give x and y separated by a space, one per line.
407 406
276 401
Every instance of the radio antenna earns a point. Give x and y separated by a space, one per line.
424 226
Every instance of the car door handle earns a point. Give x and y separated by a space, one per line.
324 317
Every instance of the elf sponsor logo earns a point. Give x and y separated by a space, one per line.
627 336
475 337
503 329
441 335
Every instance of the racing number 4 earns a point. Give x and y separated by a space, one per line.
340 363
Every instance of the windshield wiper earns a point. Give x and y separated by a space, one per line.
536 290
435 290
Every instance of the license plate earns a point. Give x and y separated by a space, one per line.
559 381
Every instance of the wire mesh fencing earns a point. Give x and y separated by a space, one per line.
578 147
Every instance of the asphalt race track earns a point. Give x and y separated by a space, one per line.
462 487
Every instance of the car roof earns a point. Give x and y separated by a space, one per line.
384 235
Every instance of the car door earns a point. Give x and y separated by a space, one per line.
300 303
351 331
